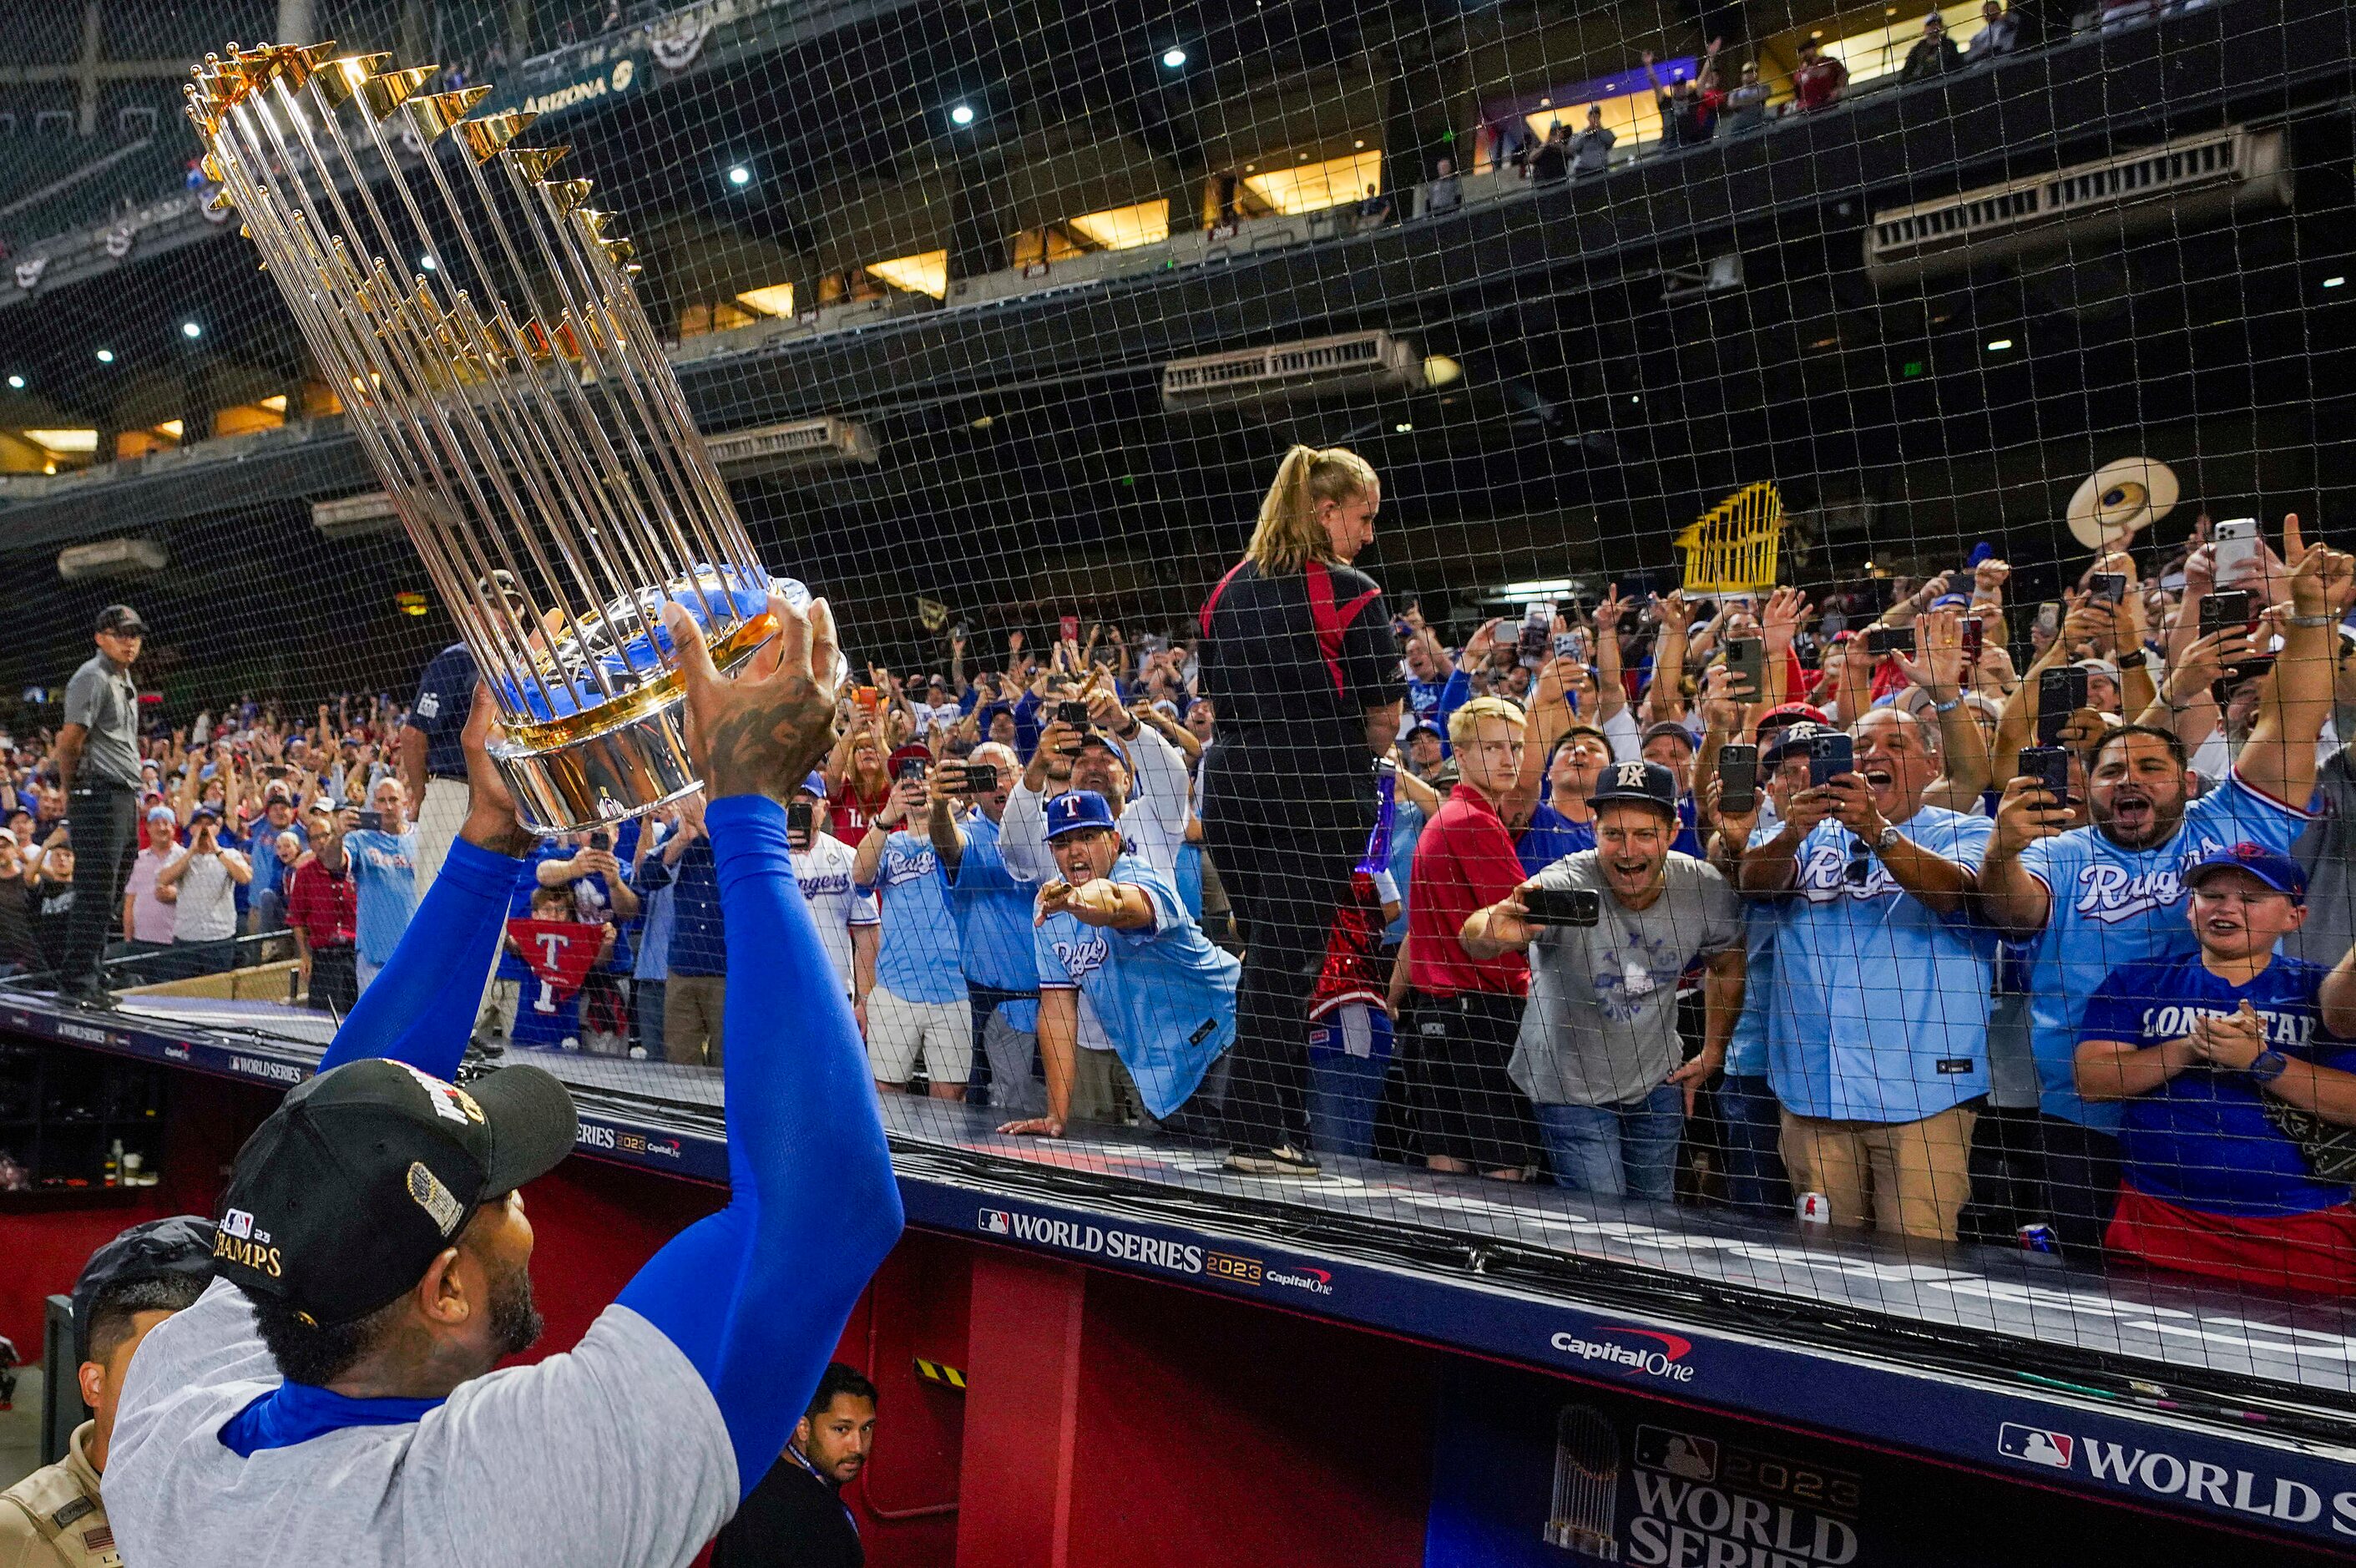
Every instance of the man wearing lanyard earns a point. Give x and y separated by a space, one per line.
97 762
796 1518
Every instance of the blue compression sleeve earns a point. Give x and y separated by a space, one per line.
756 1295
421 1007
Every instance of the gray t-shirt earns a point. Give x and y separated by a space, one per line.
1601 1025
612 1452
103 699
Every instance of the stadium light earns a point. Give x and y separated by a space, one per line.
2334 282
961 115
426 263
16 383
1998 344
740 176
106 356
1402 427
190 330
1174 58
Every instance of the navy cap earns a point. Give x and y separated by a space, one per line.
1077 811
1647 782
179 1246
1791 738
1669 728
2279 871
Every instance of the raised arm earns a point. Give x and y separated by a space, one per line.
755 1295
422 1007
2278 760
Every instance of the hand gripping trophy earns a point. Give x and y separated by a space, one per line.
511 395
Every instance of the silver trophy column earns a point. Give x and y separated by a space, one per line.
482 331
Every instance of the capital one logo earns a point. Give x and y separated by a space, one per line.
1666 1362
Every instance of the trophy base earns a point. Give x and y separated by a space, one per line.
609 772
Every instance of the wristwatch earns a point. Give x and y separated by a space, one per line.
2267 1066
2311 621
1889 839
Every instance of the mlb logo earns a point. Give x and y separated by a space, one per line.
238 1223
997 1222
2034 1445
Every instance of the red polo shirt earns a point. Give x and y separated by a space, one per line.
322 905
1464 862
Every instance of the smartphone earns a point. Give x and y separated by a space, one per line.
1883 639
2059 693
1070 627
868 699
1975 639
372 822
1737 779
2236 539
910 768
1566 645
1532 643
2050 766
1072 714
1747 656
1562 906
600 839
801 823
2048 617
2223 609
980 777
2109 587
1829 756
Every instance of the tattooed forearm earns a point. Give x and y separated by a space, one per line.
769 747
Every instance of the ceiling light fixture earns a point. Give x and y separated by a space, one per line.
1173 57
961 115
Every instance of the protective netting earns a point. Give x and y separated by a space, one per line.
1777 433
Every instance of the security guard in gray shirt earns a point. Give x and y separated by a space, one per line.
97 761
54 1518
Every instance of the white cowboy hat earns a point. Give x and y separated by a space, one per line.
2119 498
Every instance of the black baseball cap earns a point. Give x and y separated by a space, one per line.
121 618
339 1200
178 1246
1647 783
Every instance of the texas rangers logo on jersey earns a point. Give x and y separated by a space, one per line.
2109 892
902 864
1084 957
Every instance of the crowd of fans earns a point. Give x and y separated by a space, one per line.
1766 901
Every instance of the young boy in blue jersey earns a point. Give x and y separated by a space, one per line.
1113 926
2086 901
2235 1099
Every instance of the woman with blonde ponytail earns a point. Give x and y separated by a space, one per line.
1298 653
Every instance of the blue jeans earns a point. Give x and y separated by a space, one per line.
1628 1150
1754 1132
1344 1089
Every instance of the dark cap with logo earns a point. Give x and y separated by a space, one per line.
123 620
2279 871
1077 811
342 1197
1643 783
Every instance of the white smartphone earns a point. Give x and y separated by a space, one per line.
2236 539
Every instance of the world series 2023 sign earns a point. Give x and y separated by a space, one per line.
1535 1472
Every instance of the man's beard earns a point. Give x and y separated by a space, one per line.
516 1323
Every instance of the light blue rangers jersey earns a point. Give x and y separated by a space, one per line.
918 959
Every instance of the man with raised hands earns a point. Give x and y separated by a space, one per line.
330 1399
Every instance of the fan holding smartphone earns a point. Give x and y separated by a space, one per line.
1878 1050
1608 932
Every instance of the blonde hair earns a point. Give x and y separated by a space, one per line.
1465 723
1289 535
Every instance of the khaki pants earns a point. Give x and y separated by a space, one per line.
691 1005
1904 1178
1101 1091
